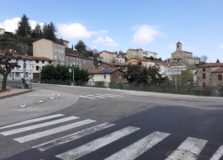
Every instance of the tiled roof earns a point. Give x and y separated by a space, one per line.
138 59
102 70
107 52
218 70
31 58
211 65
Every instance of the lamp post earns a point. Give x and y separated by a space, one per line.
72 70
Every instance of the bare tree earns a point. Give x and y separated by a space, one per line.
6 66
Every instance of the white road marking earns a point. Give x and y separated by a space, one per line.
95 96
53 131
87 97
71 137
36 126
32 121
136 149
188 150
108 95
218 154
96 144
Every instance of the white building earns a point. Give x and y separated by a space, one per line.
30 67
148 54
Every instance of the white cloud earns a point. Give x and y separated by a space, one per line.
105 41
11 25
73 31
221 46
144 34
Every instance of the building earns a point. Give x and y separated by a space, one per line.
108 57
2 31
134 53
174 71
144 62
149 54
184 57
106 76
30 67
210 74
79 61
49 49
120 59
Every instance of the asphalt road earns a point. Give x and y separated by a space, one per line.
113 124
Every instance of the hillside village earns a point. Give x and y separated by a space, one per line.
108 67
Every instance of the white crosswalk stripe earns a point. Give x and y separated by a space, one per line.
32 121
32 127
45 133
62 140
136 149
96 144
188 150
218 154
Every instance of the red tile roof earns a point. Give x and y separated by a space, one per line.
218 70
211 65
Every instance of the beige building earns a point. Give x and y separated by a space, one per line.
184 57
148 54
49 49
210 74
108 57
144 62
134 53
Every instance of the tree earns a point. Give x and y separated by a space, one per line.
186 77
37 32
140 74
6 66
24 28
49 31
81 47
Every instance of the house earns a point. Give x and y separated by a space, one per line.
106 76
149 54
30 67
210 74
49 49
79 61
120 59
174 71
184 57
134 53
108 57
144 62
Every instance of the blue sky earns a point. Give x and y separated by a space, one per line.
154 25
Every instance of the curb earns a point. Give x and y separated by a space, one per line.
15 94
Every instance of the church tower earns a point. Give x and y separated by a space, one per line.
179 46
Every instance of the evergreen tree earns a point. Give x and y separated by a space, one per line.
24 28
37 32
49 31
81 47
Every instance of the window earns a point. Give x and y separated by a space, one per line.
204 84
42 61
104 76
203 69
37 61
50 62
17 74
220 77
37 68
204 76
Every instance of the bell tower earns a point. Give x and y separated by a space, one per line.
179 46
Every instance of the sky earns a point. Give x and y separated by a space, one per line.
114 25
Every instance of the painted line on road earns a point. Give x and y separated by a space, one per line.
32 121
53 131
136 149
87 97
95 96
109 95
36 126
218 154
96 144
62 140
188 150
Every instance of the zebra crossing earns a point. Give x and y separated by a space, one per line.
100 96
189 149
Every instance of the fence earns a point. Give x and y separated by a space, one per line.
18 84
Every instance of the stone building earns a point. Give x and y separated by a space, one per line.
134 53
184 57
210 74
108 57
